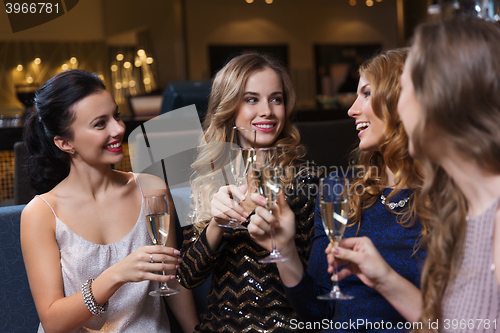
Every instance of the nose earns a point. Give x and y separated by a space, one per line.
355 109
265 110
117 128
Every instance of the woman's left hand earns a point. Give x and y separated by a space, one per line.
283 219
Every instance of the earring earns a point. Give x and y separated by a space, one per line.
72 152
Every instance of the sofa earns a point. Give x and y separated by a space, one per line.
17 309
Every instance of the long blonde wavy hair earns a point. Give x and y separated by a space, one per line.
383 72
454 67
225 100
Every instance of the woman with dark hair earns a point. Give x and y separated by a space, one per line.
383 174
89 257
255 92
450 107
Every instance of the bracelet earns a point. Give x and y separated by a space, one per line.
90 302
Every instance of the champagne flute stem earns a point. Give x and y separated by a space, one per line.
273 241
335 276
163 285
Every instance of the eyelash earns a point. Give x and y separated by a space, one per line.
255 100
101 124
367 94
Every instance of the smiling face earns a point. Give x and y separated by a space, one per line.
263 107
370 126
409 107
98 129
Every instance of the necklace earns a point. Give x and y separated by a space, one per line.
393 205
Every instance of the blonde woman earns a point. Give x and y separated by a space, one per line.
252 91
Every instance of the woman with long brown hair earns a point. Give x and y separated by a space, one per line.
450 107
255 92
383 174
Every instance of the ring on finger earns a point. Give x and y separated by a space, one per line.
151 257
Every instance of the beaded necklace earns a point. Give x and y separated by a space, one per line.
393 205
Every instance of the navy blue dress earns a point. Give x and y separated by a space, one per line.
368 311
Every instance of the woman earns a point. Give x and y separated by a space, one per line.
450 108
88 255
384 173
255 92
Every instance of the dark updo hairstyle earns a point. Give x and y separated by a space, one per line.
52 116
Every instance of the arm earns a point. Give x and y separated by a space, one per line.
301 287
42 259
368 265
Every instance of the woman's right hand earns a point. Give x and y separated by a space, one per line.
362 259
224 208
137 266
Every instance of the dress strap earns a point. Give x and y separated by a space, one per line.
47 205
138 183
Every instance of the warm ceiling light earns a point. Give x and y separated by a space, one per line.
369 3
149 60
19 67
119 57
118 85
138 63
38 61
64 67
141 53
249 1
269 2
114 68
352 2
72 60
29 79
127 64
379 0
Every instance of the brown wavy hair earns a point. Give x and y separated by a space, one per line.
225 100
383 72
454 66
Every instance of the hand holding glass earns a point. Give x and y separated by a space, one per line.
334 203
158 221
241 155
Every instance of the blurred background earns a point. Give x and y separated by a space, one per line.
150 52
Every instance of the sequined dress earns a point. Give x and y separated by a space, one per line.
367 311
246 296
131 309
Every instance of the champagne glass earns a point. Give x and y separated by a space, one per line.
334 203
241 155
266 177
158 221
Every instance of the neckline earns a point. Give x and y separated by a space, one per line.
494 204
128 235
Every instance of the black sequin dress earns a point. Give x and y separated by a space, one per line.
246 296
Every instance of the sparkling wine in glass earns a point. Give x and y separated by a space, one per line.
334 204
241 156
158 222
266 177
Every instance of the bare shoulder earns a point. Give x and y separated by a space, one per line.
151 184
37 221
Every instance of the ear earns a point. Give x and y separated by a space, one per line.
64 144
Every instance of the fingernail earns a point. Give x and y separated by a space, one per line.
336 251
172 277
177 266
179 260
246 214
177 252
263 202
